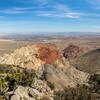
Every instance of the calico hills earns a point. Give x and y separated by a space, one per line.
52 71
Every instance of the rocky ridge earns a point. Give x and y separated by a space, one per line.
34 56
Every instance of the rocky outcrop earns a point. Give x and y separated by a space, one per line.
63 77
48 54
37 91
21 93
42 87
34 56
72 51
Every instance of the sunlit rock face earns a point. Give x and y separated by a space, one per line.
63 76
34 56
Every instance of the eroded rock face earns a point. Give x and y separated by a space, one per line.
63 77
48 54
72 51
34 56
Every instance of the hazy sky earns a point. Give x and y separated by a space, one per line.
49 15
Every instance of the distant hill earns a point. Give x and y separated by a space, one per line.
72 51
89 62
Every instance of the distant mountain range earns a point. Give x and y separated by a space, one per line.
45 34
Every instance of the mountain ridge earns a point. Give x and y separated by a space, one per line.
34 56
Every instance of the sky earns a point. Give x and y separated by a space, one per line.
49 15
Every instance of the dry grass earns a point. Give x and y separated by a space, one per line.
10 46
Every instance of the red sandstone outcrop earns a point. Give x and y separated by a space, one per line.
72 51
48 54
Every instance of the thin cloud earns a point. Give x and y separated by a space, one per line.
42 2
64 11
49 10
57 14
59 10
97 26
27 8
55 9
12 12
95 4
1 17
46 8
61 7
38 2
17 10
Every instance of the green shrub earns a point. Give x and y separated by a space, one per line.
1 69
94 82
51 85
11 76
3 89
23 79
42 77
74 94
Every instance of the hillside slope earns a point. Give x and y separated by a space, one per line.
89 62
63 76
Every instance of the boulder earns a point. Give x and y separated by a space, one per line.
21 93
42 87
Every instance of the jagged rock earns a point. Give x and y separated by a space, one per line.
38 89
21 93
62 63
27 93
34 56
65 76
35 93
42 87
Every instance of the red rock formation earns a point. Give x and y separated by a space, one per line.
72 51
48 54
34 56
